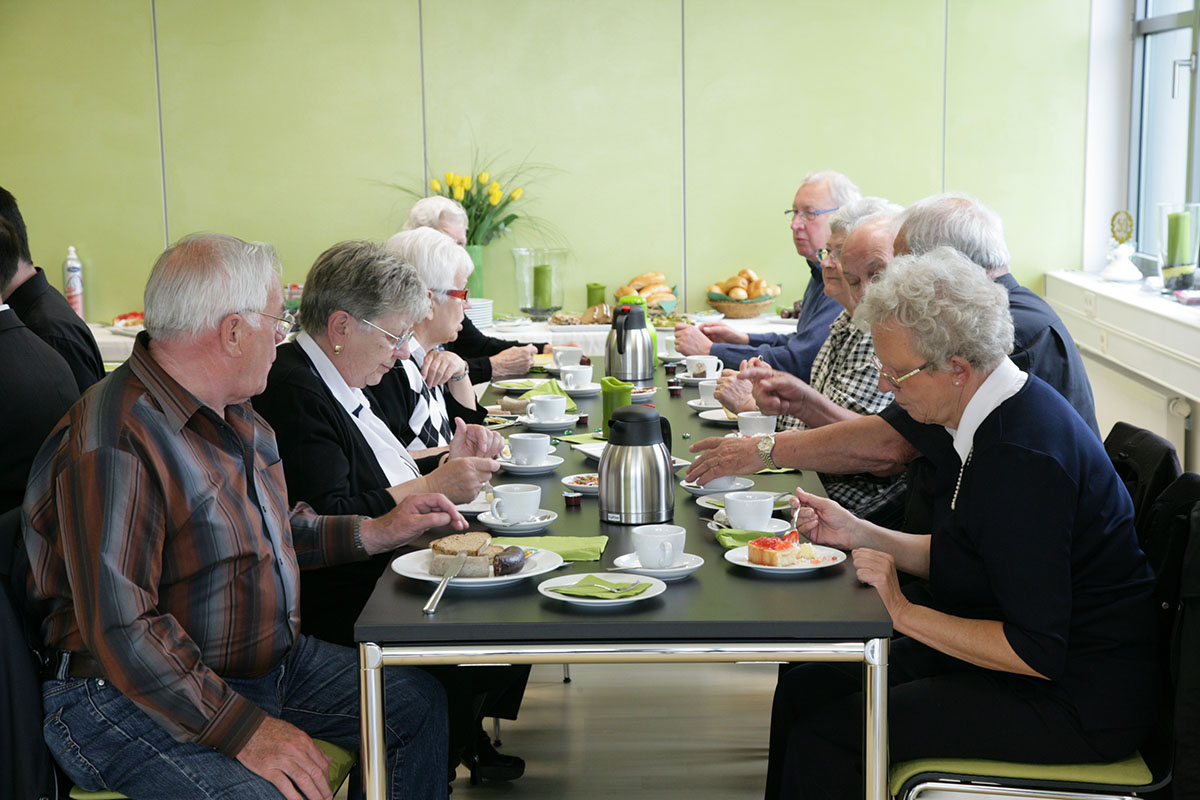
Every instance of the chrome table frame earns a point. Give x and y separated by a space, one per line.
872 652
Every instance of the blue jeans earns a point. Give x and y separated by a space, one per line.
104 741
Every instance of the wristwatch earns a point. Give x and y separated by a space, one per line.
765 445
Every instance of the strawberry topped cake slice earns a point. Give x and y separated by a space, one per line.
782 551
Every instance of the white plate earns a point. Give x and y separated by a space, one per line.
672 355
416 566
520 387
542 520
657 587
629 563
476 506
774 524
512 325
716 415
705 316
687 379
644 395
707 502
696 490
549 465
829 557
551 425
575 487
587 390
701 405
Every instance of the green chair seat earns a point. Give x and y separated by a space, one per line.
343 761
1131 771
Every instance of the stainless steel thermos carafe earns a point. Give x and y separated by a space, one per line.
637 484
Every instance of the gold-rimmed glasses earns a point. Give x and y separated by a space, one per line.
893 380
284 324
397 341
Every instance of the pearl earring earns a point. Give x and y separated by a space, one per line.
337 349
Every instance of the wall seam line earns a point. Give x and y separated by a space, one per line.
162 151
424 125
683 143
945 82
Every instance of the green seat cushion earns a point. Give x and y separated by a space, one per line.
343 761
1131 771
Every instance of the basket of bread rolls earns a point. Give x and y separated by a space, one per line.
742 296
653 288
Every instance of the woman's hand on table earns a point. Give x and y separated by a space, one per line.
823 521
720 456
460 479
440 366
733 392
474 440
411 517
512 362
878 569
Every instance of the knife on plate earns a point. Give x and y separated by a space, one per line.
455 566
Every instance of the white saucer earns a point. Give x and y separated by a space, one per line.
696 490
707 502
689 564
574 487
587 390
827 555
506 453
716 415
687 379
549 465
520 387
416 565
542 520
640 396
657 587
677 463
700 405
774 524
559 424
476 506
672 355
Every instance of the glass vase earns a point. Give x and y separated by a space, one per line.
1178 243
475 281
539 273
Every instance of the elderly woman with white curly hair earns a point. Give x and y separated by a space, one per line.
1037 641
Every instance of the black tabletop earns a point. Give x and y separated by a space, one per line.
719 602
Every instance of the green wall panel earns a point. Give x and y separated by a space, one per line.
589 89
777 90
1016 110
283 120
79 143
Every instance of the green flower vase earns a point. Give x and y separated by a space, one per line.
475 282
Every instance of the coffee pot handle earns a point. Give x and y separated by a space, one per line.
665 424
619 327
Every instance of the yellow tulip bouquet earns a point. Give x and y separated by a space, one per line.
484 199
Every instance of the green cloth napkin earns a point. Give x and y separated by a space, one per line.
592 586
780 504
735 537
571 548
552 387
579 438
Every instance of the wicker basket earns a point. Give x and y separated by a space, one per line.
742 309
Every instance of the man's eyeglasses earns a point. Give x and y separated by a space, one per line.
461 294
894 381
808 213
397 341
284 324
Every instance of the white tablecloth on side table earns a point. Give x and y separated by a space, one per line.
592 338
113 346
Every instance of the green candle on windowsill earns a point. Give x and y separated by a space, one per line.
595 294
1179 266
543 280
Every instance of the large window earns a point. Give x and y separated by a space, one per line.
1163 151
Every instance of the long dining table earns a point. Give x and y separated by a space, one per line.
721 613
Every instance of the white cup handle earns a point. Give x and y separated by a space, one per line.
720 366
668 554
496 506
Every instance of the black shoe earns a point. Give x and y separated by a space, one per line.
485 763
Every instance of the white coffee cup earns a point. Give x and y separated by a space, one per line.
704 366
566 355
529 449
755 423
516 502
707 390
547 407
577 377
659 546
749 510
721 484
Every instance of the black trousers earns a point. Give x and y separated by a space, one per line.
937 706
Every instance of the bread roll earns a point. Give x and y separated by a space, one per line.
647 278
738 293
716 287
749 275
774 291
653 288
625 291
757 288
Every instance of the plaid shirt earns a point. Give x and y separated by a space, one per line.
160 543
844 373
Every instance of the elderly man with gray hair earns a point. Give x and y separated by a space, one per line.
885 443
821 194
165 562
